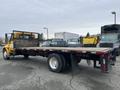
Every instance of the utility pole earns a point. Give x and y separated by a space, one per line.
47 31
114 17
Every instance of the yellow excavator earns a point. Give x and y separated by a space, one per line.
89 41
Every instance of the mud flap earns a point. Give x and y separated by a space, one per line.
106 64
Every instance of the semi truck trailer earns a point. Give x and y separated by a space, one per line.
110 37
59 59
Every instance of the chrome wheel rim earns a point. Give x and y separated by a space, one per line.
5 54
53 63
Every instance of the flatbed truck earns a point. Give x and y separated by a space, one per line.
58 58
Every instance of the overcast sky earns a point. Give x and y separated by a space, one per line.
79 16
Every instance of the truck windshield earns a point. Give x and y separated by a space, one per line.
109 37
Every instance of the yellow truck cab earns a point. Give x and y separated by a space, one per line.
18 39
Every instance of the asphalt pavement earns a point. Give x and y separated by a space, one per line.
33 74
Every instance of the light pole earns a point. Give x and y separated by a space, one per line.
46 30
114 13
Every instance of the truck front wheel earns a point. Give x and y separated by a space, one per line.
6 56
55 63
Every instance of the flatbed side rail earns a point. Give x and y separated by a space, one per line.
103 55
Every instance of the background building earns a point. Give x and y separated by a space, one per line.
66 35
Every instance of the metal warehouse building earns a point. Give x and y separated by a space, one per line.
66 35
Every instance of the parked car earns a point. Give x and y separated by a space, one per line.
45 44
58 43
54 43
73 42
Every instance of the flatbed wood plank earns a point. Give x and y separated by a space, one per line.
82 49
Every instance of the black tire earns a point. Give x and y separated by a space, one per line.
117 52
77 60
64 63
68 64
113 60
6 56
59 63
26 56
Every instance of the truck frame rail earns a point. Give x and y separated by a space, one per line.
103 56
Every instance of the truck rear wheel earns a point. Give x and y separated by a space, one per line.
64 63
55 63
6 56
26 56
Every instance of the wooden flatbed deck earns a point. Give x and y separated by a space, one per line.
67 49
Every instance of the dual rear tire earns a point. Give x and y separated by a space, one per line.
26 56
56 63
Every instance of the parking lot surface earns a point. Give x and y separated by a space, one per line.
33 74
